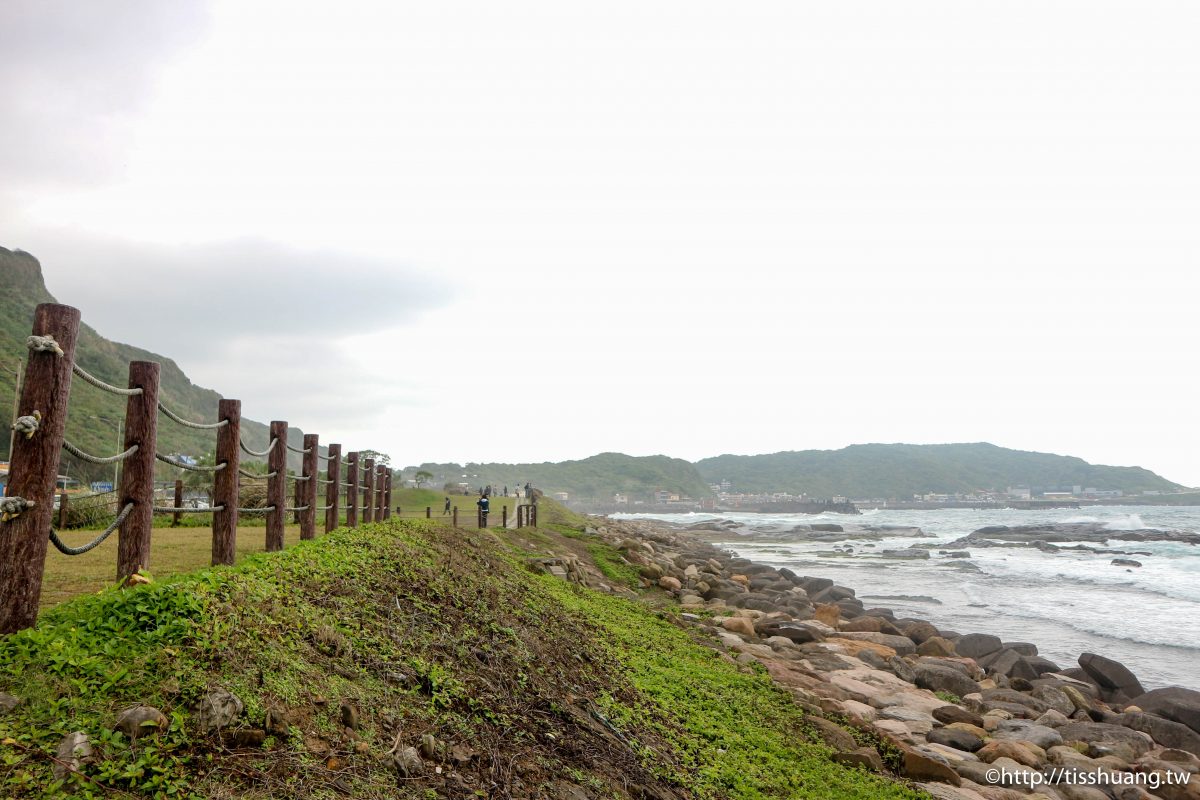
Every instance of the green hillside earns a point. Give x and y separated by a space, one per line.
92 422
595 478
902 470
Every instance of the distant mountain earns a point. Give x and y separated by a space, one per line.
93 414
597 477
902 470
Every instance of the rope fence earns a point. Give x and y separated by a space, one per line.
356 488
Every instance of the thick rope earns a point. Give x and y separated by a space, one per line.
264 509
11 507
324 458
44 344
203 426
75 451
186 510
99 384
303 478
78 551
266 452
325 508
27 426
296 508
193 467
304 450
255 475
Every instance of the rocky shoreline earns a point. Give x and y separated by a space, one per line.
965 715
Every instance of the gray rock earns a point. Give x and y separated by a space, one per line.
799 634
8 702
908 553
1112 675
72 751
953 737
1055 698
217 709
866 757
948 715
944 679
832 734
977 645
1024 731
902 669
1024 648
1105 739
1174 703
407 762
1171 734
873 659
1014 698
140 720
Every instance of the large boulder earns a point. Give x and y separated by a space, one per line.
1111 675
977 645
217 709
1175 703
948 715
1024 731
797 634
938 678
901 644
1175 735
956 738
1105 739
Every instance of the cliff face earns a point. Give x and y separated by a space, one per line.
92 423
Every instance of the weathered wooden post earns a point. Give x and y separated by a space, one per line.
226 482
276 485
333 489
64 504
297 496
455 519
387 493
533 514
178 503
381 505
137 472
352 489
428 512
28 505
368 498
308 517
504 516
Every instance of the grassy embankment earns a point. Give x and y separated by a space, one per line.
175 551
529 685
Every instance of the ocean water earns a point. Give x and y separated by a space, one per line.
1066 603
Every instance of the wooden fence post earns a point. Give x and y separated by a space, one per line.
178 503
504 516
533 513
226 482
380 492
277 485
297 496
455 522
64 509
428 512
33 468
352 489
333 489
308 517
137 471
368 498
387 493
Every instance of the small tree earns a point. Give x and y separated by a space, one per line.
422 476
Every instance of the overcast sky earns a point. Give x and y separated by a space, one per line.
539 230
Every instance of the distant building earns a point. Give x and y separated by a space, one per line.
562 497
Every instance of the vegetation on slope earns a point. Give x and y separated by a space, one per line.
93 417
528 686
902 470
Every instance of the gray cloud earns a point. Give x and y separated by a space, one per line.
71 75
188 301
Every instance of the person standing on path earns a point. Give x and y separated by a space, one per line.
446 510
483 504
